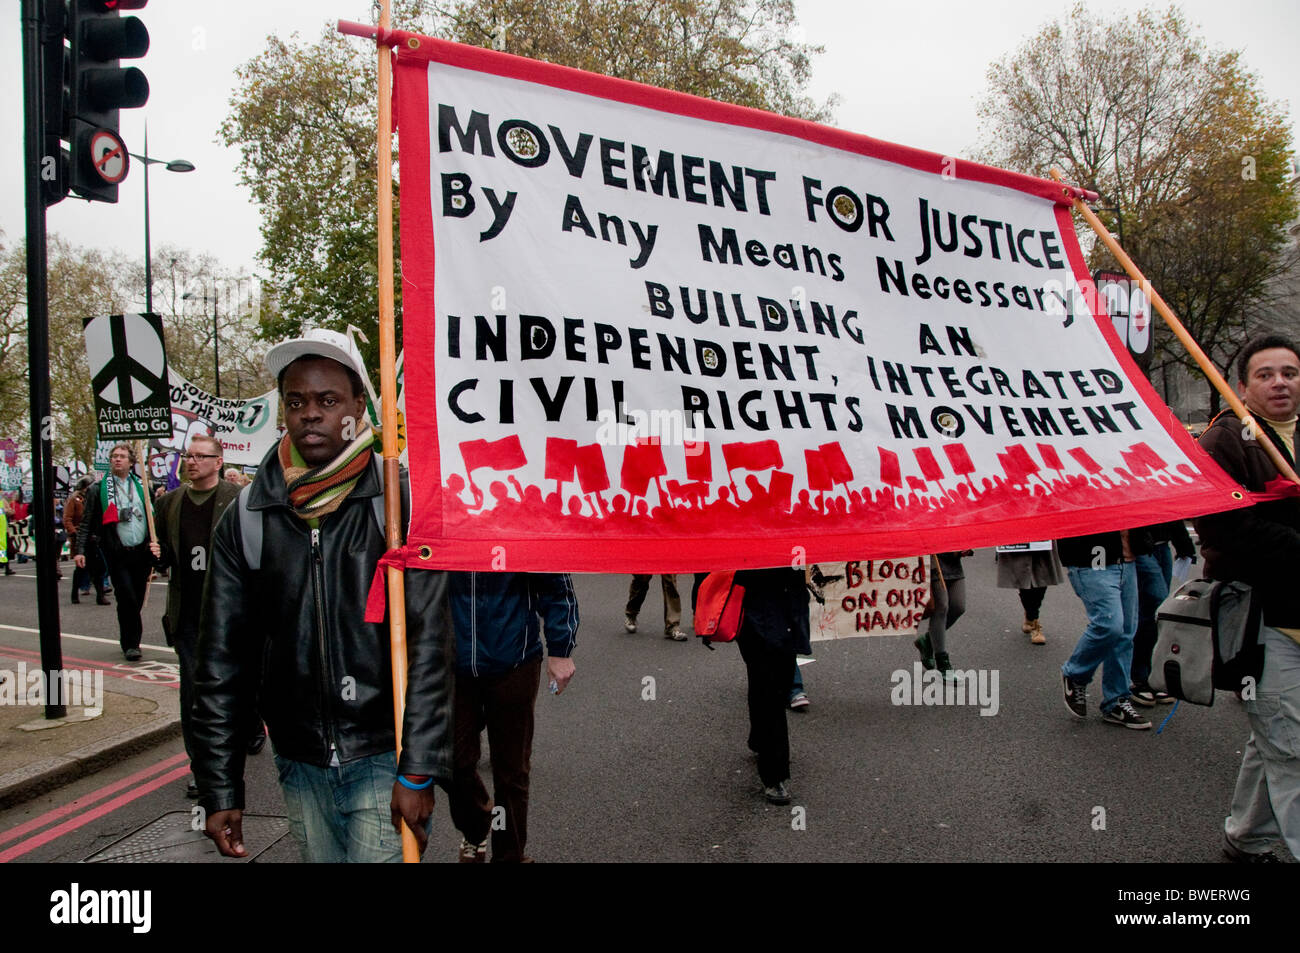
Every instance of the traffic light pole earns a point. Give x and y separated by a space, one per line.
38 359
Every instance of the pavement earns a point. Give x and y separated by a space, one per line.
38 755
115 711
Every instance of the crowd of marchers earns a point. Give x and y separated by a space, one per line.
272 614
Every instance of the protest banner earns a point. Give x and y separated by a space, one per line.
868 597
128 375
247 428
669 334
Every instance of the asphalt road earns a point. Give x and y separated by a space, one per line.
643 758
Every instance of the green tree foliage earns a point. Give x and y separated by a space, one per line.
189 291
1191 159
86 282
304 117
738 51
13 340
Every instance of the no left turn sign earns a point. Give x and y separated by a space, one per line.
108 155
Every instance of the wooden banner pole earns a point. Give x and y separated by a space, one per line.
142 455
388 402
1206 365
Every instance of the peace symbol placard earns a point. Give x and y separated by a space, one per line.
128 374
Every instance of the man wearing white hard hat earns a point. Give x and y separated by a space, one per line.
283 632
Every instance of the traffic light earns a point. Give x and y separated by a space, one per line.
54 104
97 88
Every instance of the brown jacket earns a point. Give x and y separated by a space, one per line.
1260 544
73 510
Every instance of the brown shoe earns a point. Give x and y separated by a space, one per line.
1036 636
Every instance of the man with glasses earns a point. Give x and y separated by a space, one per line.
184 519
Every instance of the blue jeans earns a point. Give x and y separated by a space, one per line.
342 815
1110 598
1153 589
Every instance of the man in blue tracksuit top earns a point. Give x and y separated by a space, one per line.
500 620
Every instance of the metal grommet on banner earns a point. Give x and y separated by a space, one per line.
426 552
413 42
1238 495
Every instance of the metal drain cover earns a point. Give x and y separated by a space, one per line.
170 839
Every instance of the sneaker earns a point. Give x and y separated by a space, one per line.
472 853
133 655
1076 696
192 791
676 634
777 794
1036 636
944 665
1125 716
629 625
798 701
1143 695
922 643
1239 856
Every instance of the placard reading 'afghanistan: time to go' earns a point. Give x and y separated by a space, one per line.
128 375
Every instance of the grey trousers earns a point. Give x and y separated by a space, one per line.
1266 802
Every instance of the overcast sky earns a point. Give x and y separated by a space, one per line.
909 72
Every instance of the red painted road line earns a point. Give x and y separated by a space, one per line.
88 799
107 668
108 807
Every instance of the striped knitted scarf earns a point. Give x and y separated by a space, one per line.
315 492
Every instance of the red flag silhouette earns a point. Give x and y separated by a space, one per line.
503 454
930 468
758 455
696 491
959 459
1134 462
593 477
699 461
642 462
779 490
916 483
819 477
1051 459
561 458
890 474
1149 456
1023 460
1081 457
837 465
1011 468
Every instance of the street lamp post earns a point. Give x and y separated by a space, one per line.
174 165
216 358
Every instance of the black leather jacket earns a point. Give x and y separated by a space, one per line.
291 639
